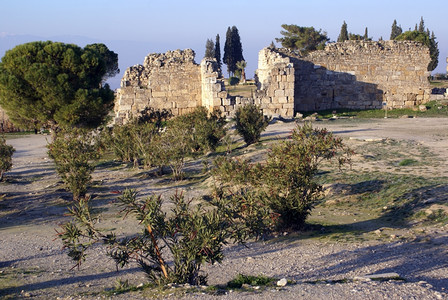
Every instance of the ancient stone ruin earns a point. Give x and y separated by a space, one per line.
353 74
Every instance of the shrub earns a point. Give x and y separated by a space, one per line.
6 152
143 140
72 153
121 140
186 136
191 236
234 81
286 181
250 123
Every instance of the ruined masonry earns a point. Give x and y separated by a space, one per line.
352 74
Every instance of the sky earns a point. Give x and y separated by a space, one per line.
135 28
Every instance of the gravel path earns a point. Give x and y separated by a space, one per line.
32 263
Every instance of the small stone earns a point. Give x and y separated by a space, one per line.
422 108
282 282
140 285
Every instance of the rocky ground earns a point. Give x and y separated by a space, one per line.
33 265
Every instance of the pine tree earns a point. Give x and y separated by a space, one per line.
209 49
218 51
421 26
233 50
343 36
433 52
396 30
227 49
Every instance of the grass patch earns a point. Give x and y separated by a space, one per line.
407 162
242 90
241 280
434 109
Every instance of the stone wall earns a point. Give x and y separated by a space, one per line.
353 74
170 80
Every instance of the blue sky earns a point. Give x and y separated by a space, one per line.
134 28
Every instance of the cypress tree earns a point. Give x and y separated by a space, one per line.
396 30
366 35
433 52
233 50
421 26
209 49
218 51
227 49
343 36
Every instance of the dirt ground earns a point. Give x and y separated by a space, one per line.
33 264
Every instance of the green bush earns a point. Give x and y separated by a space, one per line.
286 181
234 81
157 142
250 123
73 153
6 152
189 236
186 136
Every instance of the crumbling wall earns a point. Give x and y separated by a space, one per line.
275 83
170 80
214 95
353 74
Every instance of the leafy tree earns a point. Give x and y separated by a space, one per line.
6 152
343 36
241 66
218 51
209 49
424 38
110 60
233 50
396 30
303 39
56 85
250 123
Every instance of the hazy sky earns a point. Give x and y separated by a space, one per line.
134 28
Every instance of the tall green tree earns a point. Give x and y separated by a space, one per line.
421 25
218 51
233 50
56 85
209 49
343 36
241 66
396 30
303 39
366 35
110 60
